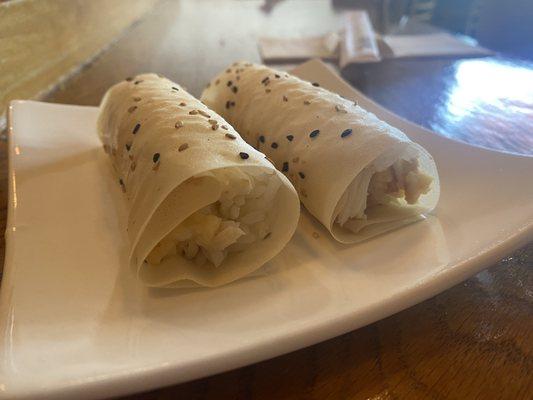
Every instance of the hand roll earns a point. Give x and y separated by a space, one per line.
204 206
356 174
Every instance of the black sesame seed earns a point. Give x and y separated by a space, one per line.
346 132
274 145
121 182
128 146
129 79
315 84
137 82
230 136
155 158
290 137
277 76
314 134
175 88
244 155
229 83
136 129
228 104
285 167
235 89
265 80
262 139
302 175
267 235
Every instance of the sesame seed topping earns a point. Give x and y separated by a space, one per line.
137 82
132 109
133 166
228 70
307 102
290 137
204 114
262 139
155 158
183 104
183 147
214 127
213 121
193 112
315 84
230 136
175 88
302 175
128 146
136 129
228 104
232 103
235 89
285 98
224 127
229 83
121 182
265 80
178 124
267 235
129 79
314 134
274 145
244 155
136 99
346 132
285 167
277 76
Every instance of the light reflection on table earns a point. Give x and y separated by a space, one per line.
490 104
486 102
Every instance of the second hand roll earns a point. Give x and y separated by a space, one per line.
356 174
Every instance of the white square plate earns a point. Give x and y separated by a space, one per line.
75 324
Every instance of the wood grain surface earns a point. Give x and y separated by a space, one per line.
43 40
474 341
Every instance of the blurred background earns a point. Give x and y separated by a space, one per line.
462 68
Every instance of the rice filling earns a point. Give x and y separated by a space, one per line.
402 181
240 218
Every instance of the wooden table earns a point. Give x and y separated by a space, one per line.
474 341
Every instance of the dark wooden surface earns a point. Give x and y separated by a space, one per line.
474 341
